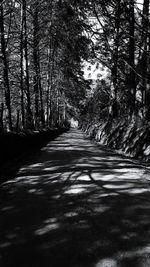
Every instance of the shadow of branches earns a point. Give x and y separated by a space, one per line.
75 205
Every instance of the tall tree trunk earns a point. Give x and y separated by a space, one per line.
26 68
114 72
37 77
5 67
21 71
1 117
41 103
132 82
57 90
142 65
52 111
147 92
49 69
64 106
48 86
17 122
35 61
146 59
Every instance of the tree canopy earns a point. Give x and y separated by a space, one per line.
44 46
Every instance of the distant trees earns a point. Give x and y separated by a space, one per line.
121 34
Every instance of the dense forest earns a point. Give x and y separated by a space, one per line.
42 48
45 46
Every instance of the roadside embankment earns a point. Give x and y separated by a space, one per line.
129 136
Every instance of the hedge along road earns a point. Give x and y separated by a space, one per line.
76 204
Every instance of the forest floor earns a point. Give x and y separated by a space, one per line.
75 204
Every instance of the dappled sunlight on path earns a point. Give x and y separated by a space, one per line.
76 204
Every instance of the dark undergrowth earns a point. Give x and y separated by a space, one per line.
16 148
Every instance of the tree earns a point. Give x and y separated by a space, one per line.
5 66
132 82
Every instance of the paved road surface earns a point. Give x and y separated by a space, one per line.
76 204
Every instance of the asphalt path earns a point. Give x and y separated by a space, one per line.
75 204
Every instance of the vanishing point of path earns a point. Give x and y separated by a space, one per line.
76 204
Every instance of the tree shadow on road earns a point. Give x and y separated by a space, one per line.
76 205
